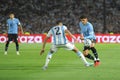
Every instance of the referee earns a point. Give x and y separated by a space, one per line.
12 26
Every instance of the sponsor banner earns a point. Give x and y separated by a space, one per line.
39 38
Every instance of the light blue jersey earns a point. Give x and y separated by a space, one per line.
13 25
87 30
58 33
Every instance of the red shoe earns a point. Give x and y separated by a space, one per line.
96 63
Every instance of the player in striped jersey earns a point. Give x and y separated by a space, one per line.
60 41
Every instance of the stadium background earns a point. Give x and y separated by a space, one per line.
37 16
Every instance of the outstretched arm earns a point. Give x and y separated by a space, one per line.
82 37
43 46
71 35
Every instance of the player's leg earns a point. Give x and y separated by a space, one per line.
15 36
86 53
82 57
49 56
7 43
94 51
72 47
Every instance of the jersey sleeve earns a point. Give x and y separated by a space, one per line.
65 28
18 22
49 33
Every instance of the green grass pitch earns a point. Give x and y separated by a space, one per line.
64 65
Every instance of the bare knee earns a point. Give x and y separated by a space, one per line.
85 52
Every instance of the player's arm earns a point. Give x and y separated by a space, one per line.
81 36
71 35
43 46
44 43
20 26
81 33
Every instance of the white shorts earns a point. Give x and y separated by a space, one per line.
68 46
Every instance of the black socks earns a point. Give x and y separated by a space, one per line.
94 52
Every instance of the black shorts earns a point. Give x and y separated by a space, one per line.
88 47
12 37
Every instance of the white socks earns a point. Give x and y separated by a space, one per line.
17 53
5 53
82 57
49 56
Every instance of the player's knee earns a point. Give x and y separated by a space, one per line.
8 42
85 52
92 45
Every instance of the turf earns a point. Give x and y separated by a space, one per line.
65 65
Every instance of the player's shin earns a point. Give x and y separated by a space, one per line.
94 52
82 57
6 46
89 56
17 46
49 56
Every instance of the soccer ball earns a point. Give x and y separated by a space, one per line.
87 42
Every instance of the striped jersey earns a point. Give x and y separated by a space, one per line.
58 33
13 25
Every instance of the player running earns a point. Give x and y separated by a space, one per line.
60 41
12 24
87 32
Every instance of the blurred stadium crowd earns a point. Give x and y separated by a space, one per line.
38 16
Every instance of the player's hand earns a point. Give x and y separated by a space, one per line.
75 39
42 51
82 41
82 38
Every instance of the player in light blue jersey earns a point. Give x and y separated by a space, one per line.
12 26
87 32
60 41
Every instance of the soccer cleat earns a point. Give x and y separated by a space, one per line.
17 53
5 53
44 67
96 63
89 64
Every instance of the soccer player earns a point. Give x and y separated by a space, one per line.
87 32
12 26
60 41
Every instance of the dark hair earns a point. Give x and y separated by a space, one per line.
11 13
59 21
83 17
